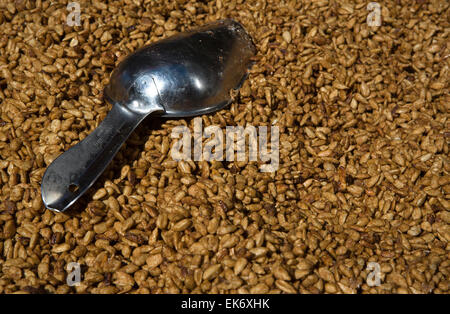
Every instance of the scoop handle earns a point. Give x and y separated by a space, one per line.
72 173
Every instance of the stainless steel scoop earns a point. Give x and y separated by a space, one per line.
186 75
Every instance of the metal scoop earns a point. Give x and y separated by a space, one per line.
185 75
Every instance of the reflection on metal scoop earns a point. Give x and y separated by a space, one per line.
185 75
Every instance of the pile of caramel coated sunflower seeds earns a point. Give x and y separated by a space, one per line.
359 203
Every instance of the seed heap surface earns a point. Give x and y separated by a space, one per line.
363 114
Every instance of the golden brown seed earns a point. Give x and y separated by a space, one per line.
260 288
280 273
239 265
285 286
182 225
61 248
212 272
99 194
154 260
